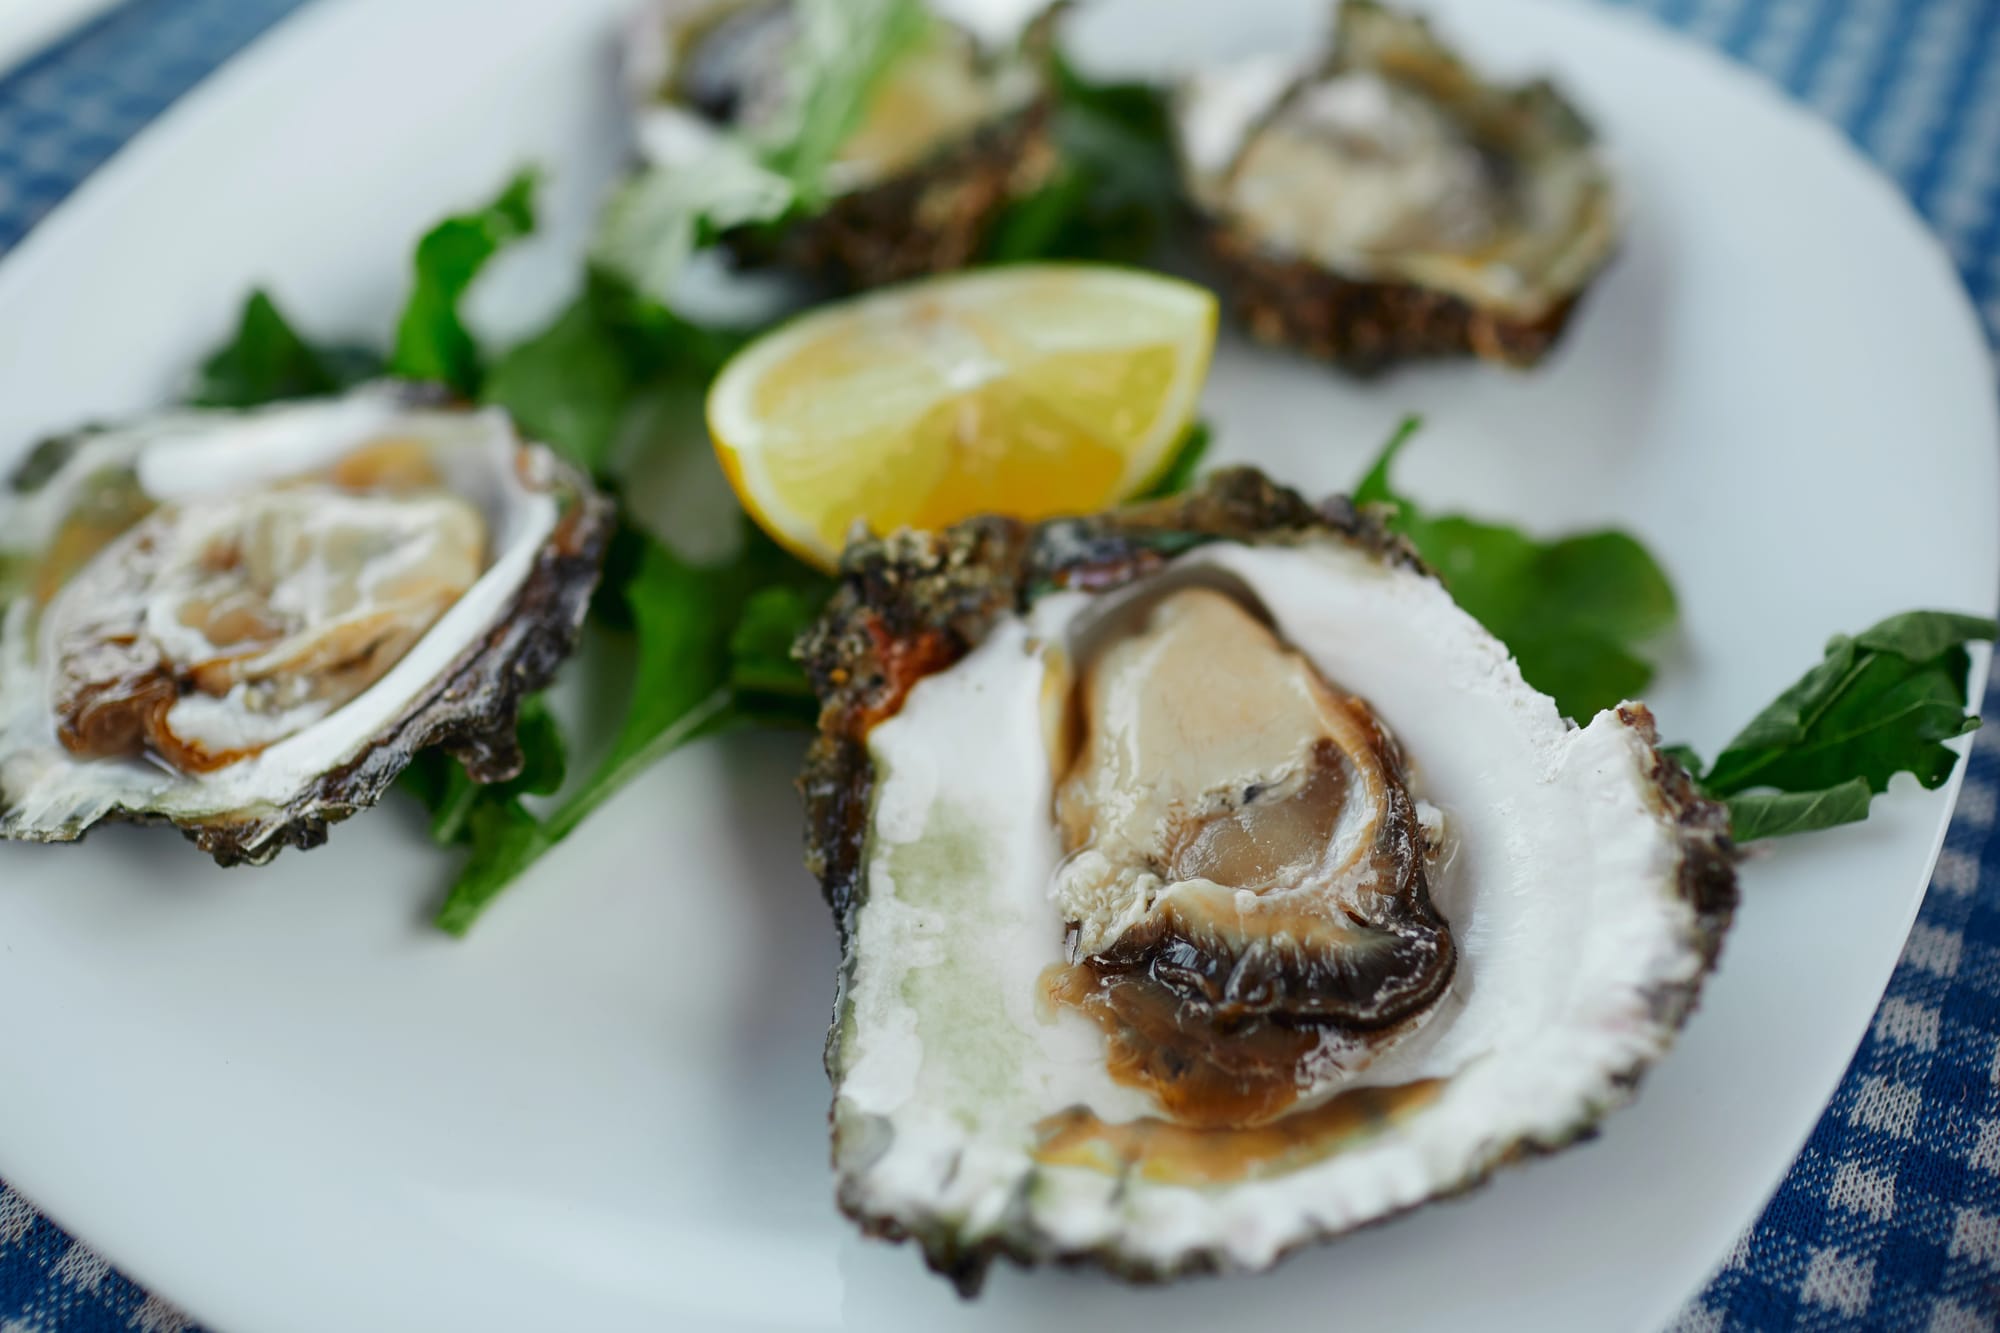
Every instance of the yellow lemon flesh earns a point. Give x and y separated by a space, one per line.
1030 391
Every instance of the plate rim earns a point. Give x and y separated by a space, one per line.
287 43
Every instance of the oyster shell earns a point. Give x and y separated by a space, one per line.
957 130
1385 204
247 623
1209 884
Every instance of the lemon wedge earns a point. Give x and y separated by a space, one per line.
1031 391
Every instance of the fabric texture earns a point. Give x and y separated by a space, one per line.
1890 1218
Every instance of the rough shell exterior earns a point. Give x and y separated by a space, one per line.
930 220
470 710
1368 326
915 603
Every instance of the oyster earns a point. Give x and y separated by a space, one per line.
957 129
247 623
1384 204
1210 883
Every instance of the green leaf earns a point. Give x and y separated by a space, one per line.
440 783
1571 610
267 361
1685 756
567 386
1922 635
573 384
545 756
660 217
504 839
1605 579
1118 185
1881 703
1756 815
1580 671
840 53
1860 713
760 648
432 342
708 657
1181 467
683 616
1374 488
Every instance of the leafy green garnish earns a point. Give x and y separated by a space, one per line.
1180 470
432 342
267 361
1880 703
1773 814
1570 610
767 683
1117 186
707 659
843 51
572 384
840 53
439 781
658 218
678 692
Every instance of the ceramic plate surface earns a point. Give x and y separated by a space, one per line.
285 1102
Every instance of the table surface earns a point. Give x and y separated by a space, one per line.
1890 1217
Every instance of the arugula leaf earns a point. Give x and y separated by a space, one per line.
769 686
840 54
567 386
760 648
708 658
439 781
679 691
432 342
661 216
1768 814
1118 184
267 361
1570 610
572 384
1880 703
1921 636
843 50
1180 470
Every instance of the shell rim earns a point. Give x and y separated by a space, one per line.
470 708
913 604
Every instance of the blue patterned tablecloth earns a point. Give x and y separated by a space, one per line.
1890 1218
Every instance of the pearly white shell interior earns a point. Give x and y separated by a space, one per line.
1561 893
182 457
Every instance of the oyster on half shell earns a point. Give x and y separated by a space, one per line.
1210 883
247 623
1382 203
957 128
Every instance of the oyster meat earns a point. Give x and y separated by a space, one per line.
1210 883
957 128
247 623
1384 203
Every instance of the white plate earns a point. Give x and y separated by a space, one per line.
285 1102
26 26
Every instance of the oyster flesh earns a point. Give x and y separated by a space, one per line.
1385 204
956 129
1210 883
247 623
